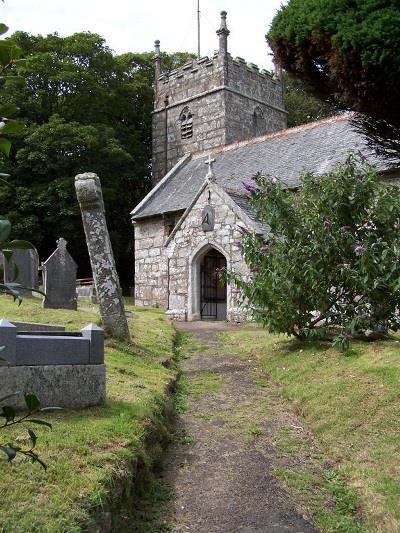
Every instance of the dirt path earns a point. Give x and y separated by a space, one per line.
221 470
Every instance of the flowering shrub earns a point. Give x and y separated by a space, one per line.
331 263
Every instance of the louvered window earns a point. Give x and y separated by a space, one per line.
186 119
259 122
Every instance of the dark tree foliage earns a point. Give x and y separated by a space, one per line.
381 136
303 106
9 54
346 48
84 109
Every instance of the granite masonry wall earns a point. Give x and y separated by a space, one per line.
209 130
222 95
167 267
190 243
151 265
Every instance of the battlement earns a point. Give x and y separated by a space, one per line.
193 66
205 74
192 78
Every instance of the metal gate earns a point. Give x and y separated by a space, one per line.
212 288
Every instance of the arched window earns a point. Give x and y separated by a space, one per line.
259 124
186 120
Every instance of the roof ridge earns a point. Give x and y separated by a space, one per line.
280 133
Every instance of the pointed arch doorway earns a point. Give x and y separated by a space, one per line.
213 293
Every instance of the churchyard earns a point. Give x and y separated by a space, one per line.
93 455
182 414
343 479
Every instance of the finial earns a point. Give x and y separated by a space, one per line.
61 243
223 22
223 33
210 174
157 47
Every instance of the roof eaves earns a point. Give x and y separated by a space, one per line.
238 210
281 133
166 178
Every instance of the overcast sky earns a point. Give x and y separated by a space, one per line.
133 25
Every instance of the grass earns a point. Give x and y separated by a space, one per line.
150 510
338 517
202 382
351 403
90 452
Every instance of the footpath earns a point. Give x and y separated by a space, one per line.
221 469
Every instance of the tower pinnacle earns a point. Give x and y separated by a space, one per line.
157 58
223 33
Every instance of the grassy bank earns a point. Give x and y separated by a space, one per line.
352 405
93 454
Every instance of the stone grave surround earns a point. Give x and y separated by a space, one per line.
168 266
62 369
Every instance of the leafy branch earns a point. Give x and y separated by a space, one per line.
9 53
8 413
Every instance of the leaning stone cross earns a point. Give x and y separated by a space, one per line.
210 174
90 198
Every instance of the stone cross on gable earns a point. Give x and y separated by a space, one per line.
210 174
62 243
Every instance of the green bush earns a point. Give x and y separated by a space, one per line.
331 264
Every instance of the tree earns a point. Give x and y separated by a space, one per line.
381 136
8 55
84 109
331 264
303 106
342 48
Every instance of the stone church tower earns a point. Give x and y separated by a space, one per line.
226 115
211 102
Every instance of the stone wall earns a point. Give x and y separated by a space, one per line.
165 265
249 80
209 130
241 125
190 80
222 94
190 243
71 386
151 266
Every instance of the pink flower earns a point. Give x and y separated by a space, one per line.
237 243
264 248
250 188
359 248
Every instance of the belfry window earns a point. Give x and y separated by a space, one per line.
186 120
259 123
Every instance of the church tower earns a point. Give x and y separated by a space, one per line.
208 103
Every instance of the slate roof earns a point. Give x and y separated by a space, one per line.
318 147
244 205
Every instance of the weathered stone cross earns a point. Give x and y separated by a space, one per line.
210 174
62 243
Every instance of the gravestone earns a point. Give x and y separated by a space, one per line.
23 269
59 279
108 290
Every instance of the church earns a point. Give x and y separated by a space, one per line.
217 122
